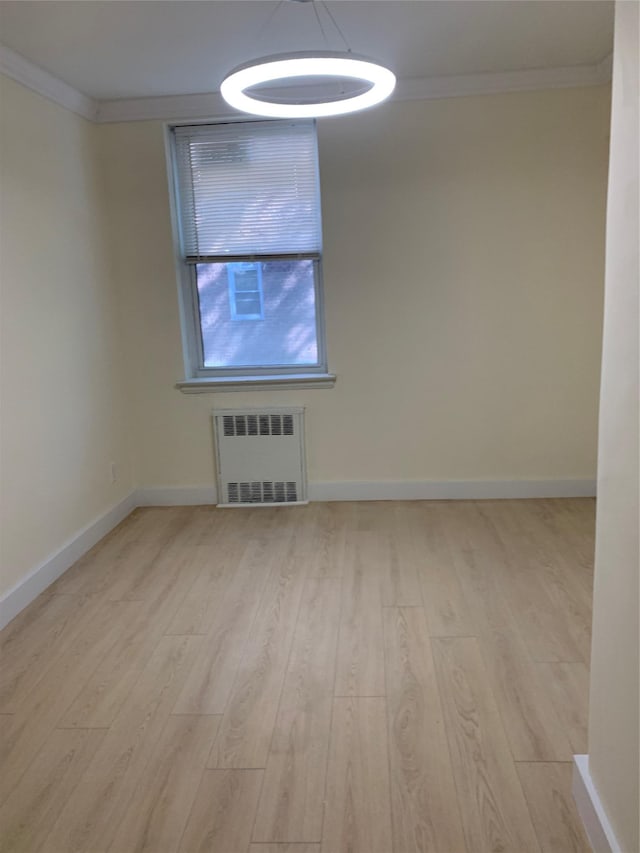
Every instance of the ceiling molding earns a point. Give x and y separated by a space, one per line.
38 80
197 107
169 107
492 83
211 105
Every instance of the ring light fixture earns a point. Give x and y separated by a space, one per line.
286 69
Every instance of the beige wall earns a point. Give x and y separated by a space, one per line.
613 709
463 276
63 415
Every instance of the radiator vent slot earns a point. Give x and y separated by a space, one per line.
266 492
260 456
243 425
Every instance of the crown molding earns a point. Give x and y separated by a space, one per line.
164 108
210 105
493 83
38 80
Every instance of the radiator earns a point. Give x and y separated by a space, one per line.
260 456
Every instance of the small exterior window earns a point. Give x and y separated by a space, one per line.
245 291
247 203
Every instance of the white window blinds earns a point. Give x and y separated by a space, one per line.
248 189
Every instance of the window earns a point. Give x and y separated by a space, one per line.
248 211
245 291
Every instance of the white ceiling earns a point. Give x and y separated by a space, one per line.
146 48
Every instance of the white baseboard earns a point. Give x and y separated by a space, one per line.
457 490
390 490
23 593
176 496
590 808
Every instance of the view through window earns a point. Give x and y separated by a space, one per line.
248 206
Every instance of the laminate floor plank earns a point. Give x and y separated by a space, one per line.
371 516
291 806
45 788
105 554
529 716
581 514
219 561
227 620
222 815
204 527
426 816
360 664
329 540
113 778
303 525
541 622
357 814
568 583
113 565
268 522
32 643
400 582
184 563
568 686
494 811
473 555
157 817
547 788
154 560
563 524
448 612
528 712
247 725
158 569
101 698
41 710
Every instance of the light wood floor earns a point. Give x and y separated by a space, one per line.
371 678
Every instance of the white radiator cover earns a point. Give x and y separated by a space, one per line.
260 456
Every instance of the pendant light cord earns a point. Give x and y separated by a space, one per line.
269 18
324 35
335 24
314 3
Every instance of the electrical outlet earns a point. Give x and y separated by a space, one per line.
113 471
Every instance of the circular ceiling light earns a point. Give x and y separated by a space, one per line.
287 69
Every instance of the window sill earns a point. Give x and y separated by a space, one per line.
288 381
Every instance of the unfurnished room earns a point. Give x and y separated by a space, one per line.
319 426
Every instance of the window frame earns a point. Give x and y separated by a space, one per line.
198 376
233 291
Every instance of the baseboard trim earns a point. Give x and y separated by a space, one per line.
176 496
390 490
458 490
24 592
592 814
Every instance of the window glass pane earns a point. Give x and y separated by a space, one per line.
284 334
246 280
247 304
